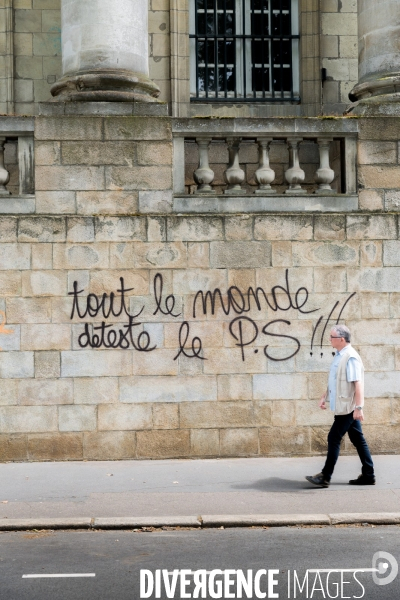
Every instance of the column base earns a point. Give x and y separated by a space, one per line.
107 85
376 97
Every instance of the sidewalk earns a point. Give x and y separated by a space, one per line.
245 488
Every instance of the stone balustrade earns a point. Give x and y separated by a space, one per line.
268 158
21 130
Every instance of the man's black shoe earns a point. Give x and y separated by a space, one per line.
363 480
318 479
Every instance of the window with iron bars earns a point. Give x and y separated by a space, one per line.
246 50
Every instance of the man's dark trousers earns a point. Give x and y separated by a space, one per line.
347 424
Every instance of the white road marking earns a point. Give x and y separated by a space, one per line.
48 575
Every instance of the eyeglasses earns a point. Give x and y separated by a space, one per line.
335 337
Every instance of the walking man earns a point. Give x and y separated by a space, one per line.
345 394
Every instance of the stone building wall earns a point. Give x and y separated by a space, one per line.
181 383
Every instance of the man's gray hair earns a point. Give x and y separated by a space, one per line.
342 331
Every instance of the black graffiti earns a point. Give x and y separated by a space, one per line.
280 335
197 345
95 305
122 338
240 322
169 301
279 298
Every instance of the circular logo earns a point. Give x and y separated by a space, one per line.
386 567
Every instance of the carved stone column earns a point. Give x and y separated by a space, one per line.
4 174
105 52
295 174
203 175
325 175
234 175
379 52
264 174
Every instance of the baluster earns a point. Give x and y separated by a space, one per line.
264 174
4 174
203 175
295 174
325 175
234 175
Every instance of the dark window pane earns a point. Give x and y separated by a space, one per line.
259 5
282 80
225 23
280 4
260 52
259 24
210 4
260 79
281 51
226 52
199 4
281 24
226 77
201 23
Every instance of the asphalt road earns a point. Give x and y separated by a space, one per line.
116 558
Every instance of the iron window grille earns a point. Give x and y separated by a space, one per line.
246 50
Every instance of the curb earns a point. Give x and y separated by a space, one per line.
200 522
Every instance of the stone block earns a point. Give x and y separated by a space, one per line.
330 228
15 256
298 277
309 413
44 283
188 367
155 202
162 255
330 280
8 392
262 413
157 362
107 203
156 229
374 153
80 229
202 415
374 306
330 46
13 448
8 229
371 199
234 387
392 201
154 153
293 441
124 417
10 283
204 442
45 392
104 392
47 44
28 310
28 419
191 281
23 45
371 254
325 254
109 281
165 416
374 280
103 153
45 337
109 445
283 228
229 361
77 418
382 439
41 229
194 229
167 389
338 23
28 20
61 202
163 444
378 411
305 363
16 365
242 279
9 336
395 410
42 256
279 387
65 446
73 178
137 128
371 227
137 178
198 254
319 439
382 384
239 228
239 442
387 128
317 384
68 128
211 334
395 305
101 363
240 254
47 364
283 413
391 253
82 256
120 229
379 176
281 254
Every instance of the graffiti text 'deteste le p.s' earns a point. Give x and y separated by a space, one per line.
246 332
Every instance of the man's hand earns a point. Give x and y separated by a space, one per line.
358 415
322 402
